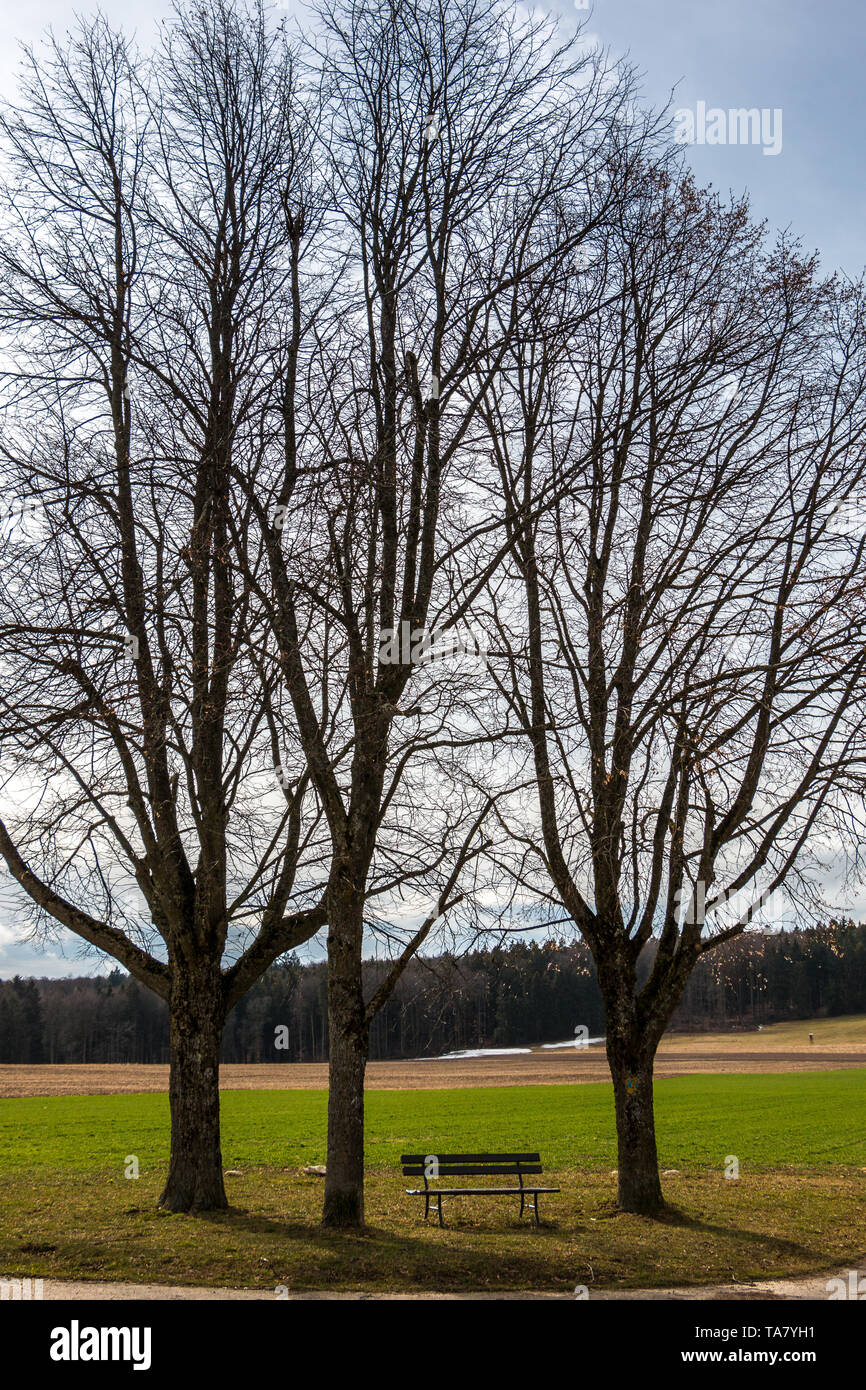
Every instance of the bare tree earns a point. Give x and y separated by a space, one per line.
452 130
141 258
688 659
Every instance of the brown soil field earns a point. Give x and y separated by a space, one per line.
565 1066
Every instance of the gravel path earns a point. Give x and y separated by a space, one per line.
813 1286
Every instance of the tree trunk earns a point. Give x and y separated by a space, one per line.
347 1061
197 1015
638 1188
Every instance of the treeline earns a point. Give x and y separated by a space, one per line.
511 996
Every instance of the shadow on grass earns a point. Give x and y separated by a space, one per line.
364 1260
428 1259
483 1247
243 1218
683 1220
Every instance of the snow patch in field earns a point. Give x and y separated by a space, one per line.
476 1052
572 1042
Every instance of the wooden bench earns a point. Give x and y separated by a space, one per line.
432 1167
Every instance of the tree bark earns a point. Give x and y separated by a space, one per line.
197 1014
638 1187
347 1061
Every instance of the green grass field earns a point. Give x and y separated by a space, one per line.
69 1212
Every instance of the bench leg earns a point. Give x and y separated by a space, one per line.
533 1207
426 1205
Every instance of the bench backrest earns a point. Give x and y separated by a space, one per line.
431 1166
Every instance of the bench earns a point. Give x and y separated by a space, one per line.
432 1167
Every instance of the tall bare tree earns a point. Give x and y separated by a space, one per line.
688 660
452 132
142 252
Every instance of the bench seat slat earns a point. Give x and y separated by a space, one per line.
474 1170
478 1191
471 1158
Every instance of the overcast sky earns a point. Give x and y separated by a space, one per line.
798 57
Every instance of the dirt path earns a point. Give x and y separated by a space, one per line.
813 1286
536 1068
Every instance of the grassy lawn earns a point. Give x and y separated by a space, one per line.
68 1211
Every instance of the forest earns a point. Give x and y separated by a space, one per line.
515 995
